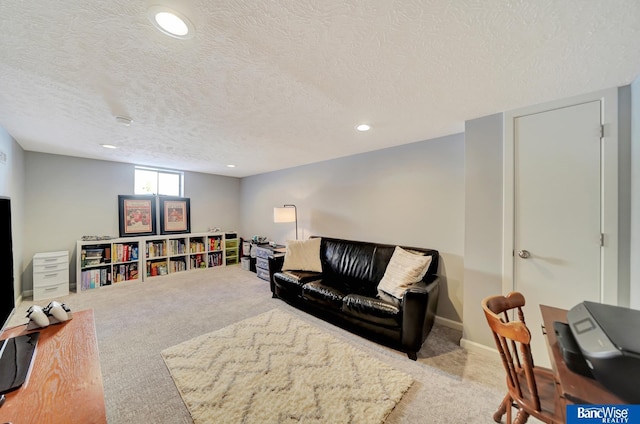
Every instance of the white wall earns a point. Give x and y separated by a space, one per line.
12 186
68 197
410 195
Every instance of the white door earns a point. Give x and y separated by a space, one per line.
557 211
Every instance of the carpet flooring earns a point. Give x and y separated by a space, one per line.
137 321
276 368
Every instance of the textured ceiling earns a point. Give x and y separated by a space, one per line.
272 84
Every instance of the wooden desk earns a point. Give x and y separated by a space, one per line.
574 387
64 384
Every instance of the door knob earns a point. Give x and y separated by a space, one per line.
524 254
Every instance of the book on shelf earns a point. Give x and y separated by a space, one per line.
93 278
156 268
215 259
126 252
215 243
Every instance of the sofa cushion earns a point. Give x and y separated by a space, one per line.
405 268
294 280
319 293
371 309
347 265
303 255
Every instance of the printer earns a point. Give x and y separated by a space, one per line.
609 339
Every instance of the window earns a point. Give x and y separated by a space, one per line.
158 181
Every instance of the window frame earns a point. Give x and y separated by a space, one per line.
158 172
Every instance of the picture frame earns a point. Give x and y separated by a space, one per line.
175 214
137 215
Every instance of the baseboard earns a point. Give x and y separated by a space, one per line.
19 300
26 293
477 347
449 323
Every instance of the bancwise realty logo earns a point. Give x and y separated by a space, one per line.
603 414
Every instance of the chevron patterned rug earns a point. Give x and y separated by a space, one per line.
275 368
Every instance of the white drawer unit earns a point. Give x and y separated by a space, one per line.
50 274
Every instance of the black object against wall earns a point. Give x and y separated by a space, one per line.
7 295
15 353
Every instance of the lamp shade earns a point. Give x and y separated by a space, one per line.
284 214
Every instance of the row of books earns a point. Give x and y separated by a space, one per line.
177 266
92 278
215 259
125 272
155 249
176 247
215 243
196 246
126 252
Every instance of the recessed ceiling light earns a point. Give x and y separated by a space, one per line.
170 22
231 166
108 146
363 127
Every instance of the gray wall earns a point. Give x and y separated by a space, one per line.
68 197
624 195
484 149
483 223
635 196
410 195
12 186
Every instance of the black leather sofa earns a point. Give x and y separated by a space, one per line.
345 293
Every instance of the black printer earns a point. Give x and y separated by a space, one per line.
609 339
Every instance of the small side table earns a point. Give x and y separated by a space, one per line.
263 253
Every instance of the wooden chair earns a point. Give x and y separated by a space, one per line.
532 390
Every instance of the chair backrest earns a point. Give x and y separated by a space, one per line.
513 342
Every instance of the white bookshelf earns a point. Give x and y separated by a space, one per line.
101 263
104 263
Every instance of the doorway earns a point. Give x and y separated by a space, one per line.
560 235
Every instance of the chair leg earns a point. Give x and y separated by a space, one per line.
505 406
521 417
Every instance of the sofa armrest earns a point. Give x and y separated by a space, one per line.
419 306
275 265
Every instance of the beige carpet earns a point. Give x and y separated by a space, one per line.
137 321
276 368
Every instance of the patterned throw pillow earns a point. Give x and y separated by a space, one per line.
405 268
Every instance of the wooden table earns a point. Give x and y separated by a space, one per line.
575 388
65 383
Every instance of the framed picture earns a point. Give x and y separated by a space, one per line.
137 215
174 215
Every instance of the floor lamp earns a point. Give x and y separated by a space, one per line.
287 213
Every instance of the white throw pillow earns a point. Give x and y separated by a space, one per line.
303 255
404 269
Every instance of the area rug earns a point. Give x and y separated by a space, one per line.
276 368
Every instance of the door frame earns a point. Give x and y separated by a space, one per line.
609 194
